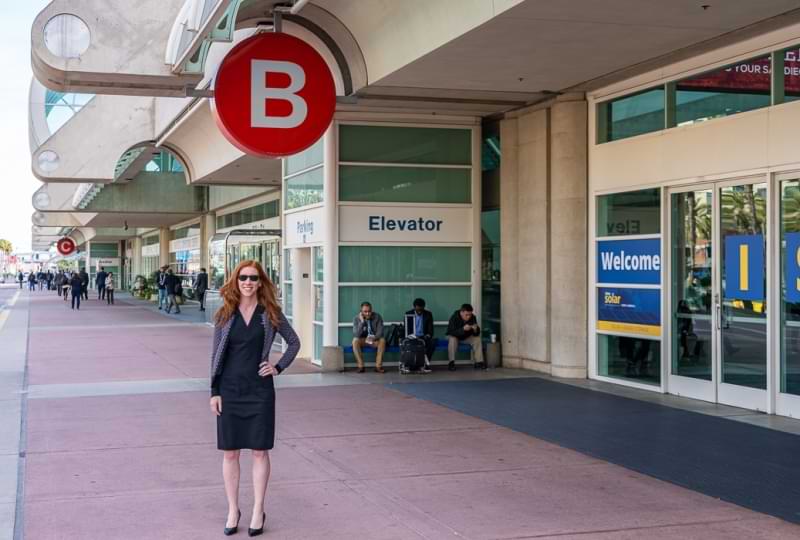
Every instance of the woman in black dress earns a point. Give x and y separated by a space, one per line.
242 390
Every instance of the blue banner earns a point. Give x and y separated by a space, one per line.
744 267
633 311
792 267
636 262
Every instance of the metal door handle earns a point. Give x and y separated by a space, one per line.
719 317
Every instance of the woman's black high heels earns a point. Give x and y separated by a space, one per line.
233 530
257 532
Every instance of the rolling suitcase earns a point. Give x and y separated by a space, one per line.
412 355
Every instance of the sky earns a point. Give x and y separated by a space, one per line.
17 183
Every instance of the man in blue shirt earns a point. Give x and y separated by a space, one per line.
423 326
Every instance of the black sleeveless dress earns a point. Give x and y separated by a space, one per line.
248 400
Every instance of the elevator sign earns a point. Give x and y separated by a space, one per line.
274 95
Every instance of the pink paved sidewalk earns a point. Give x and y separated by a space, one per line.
351 462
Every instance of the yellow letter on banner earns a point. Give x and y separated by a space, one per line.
744 279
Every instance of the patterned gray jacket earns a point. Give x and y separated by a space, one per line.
222 331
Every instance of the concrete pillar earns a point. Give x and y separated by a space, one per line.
136 257
163 244
524 189
208 228
330 252
568 224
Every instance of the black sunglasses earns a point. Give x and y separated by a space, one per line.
243 277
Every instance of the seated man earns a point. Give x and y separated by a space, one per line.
368 330
464 327
422 327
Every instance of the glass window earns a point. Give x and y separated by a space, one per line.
490 230
393 302
305 160
629 358
258 212
738 88
404 184
384 144
318 303
317 341
791 74
304 189
272 209
287 301
318 265
400 264
287 265
631 115
790 295
628 213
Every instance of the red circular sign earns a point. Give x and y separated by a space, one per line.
274 95
66 246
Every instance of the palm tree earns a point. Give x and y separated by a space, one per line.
5 246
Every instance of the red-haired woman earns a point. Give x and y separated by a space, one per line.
242 390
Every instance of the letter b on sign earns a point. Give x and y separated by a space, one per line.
274 95
260 94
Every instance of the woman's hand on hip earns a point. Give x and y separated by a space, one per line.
216 405
265 369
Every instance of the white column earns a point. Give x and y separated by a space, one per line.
330 280
163 245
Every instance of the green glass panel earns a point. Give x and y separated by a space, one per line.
287 265
317 341
287 300
393 302
402 264
384 144
318 303
633 115
404 184
304 189
730 90
790 310
629 358
631 212
305 159
104 250
318 264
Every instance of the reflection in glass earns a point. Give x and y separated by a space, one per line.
629 358
633 115
790 311
742 87
743 211
692 273
629 212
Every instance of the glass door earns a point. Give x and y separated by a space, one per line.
718 331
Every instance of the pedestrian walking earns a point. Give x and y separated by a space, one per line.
200 286
172 284
100 282
75 285
161 279
242 385
84 275
21 279
31 281
109 286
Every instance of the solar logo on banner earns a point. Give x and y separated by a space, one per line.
744 267
635 262
792 267
632 311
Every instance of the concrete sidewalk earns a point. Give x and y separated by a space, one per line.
120 445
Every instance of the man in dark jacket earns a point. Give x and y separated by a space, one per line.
368 330
76 285
422 326
463 326
100 282
84 283
172 284
20 278
200 287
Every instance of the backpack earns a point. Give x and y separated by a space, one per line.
178 288
394 335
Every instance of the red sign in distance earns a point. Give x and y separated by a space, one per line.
274 95
66 246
